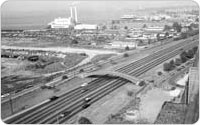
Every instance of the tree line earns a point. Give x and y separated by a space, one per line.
184 56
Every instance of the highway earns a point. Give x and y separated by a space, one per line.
72 101
89 67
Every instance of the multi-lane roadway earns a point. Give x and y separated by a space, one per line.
72 102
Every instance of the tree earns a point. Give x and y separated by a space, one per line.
104 27
183 57
81 70
158 36
177 26
167 28
166 67
142 83
64 77
149 41
171 62
126 27
177 61
159 73
184 35
190 54
166 34
84 120
126 55
195 49
74 41
127 48
144 26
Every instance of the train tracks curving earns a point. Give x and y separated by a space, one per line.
72 101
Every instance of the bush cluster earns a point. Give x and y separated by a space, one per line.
184 56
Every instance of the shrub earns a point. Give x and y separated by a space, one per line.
83 54
130 93
195 49
177 62
74 41
126 55
190 54
172 63
81 70
65 77
166 67
84 120
142 83
159 73
183 57
127 48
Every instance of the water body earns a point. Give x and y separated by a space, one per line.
37 14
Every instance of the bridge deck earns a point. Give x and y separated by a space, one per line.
112 73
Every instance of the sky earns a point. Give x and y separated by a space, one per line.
29 13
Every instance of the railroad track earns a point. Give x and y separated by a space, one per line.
49 112
136 72
131 66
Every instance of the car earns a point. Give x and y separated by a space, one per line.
84 84
5 95
29 86
53 98
18 90
87 99
86 105
66 113
181 49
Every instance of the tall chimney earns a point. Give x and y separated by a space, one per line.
76 20
71 12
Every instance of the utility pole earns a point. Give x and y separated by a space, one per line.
11 103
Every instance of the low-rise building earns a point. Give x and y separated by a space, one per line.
121 44
86 27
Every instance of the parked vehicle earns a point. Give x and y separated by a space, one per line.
84 84
87 99
53 98
29 86
86 105
5 95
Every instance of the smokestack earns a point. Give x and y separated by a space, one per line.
71 12
76 20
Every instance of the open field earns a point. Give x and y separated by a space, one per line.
18 73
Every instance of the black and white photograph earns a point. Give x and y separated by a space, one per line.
99 62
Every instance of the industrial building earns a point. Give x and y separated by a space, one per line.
71 22
65 22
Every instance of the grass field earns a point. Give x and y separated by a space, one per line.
16 74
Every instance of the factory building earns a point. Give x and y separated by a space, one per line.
72 22
65 22
86 27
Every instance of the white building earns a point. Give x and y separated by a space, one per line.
154 29
86 26
61 23
65 22
122 45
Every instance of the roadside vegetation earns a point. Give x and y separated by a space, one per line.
184 57
84 120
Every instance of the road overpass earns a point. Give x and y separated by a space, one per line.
130 78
